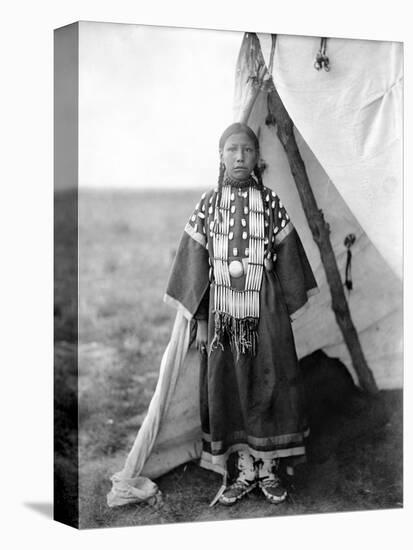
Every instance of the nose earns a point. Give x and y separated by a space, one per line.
239 157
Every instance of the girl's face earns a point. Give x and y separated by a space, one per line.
239 156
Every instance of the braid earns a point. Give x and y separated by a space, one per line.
221 177
257 174
220 182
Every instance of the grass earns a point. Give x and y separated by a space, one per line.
126 245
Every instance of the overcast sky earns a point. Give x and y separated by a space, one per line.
153 102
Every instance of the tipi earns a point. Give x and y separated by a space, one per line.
348 123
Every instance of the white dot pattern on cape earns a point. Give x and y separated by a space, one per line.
273 204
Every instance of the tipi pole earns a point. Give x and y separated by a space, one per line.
321 234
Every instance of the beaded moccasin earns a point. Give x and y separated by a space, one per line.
273 489
236 491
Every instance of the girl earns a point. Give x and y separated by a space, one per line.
242 273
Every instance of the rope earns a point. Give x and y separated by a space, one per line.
321 59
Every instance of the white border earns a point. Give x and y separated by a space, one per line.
27 278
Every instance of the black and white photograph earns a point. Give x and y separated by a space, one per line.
228 274
205 272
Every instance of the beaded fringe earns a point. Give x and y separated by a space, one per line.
242 334
237 311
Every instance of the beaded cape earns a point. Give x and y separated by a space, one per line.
243 224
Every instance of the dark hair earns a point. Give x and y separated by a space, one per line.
238 128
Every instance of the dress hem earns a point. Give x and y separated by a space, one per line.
217 463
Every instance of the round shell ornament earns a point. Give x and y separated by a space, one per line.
236 269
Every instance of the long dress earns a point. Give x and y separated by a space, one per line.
251 396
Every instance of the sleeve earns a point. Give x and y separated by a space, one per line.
291 263
189 277
202 312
